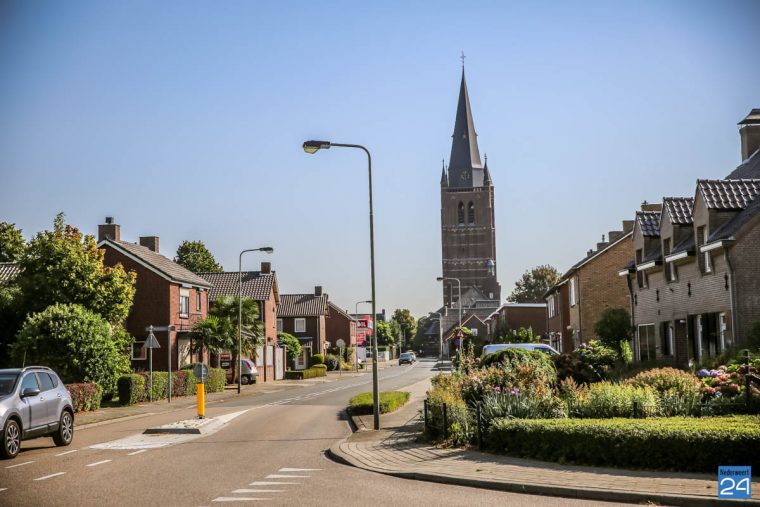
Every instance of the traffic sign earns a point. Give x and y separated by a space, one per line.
340 343
200 371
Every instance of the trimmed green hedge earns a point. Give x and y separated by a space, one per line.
85 396
131 388
217 379
389 401
675 443
136 387
318 370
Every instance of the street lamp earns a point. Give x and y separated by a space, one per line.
440 334
459 304
313 147
265 249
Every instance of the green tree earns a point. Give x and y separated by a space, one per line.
11 242
292 346
405 326
77 343
194 256
64 266
419 336
613 327
219 332
384 333
521 335
533 284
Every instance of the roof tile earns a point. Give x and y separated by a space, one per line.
167 267
256 285
649 221
679 209
302 305
728 194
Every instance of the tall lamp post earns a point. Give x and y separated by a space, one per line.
459 304
440 334
313 147
265 249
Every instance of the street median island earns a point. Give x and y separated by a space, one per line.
390 401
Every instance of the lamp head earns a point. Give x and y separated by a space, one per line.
266 249
440 278
314 146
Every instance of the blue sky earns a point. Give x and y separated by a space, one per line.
185 120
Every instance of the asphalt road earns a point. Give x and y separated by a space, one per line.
273 453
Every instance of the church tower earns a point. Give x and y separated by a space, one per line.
468 232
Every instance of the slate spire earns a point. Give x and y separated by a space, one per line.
465 168
486 174
444 177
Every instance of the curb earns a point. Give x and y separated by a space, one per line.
335 453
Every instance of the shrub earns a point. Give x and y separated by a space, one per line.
319 370
77 343
159 387
613 328
523 405
85 397
606 399
676 443
332 362
590 362
317 359
292 346
446 391
179 383
321 367
131 389
389 402
192 382
679 391
216 380
509 369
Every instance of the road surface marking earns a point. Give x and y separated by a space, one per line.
20 464
236 499
3 489
279 476
137 452
98 463
271 483
259 491
299 470
49 476
67 452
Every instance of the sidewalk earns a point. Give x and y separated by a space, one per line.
107 415
394 450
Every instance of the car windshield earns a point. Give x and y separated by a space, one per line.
7 383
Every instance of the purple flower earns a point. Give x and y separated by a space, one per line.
718 393
514 392
497 389
714 373
703 373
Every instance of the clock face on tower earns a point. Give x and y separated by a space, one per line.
465 175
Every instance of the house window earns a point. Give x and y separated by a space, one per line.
184 303
139 351
279 325
726 340
666 337
300 325
670 270
198 300
471 213
460 213
647 342
641 276
572 291
550 304
705 262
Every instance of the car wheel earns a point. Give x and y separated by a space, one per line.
65 433
245 379
11 440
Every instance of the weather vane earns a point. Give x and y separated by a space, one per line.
462 58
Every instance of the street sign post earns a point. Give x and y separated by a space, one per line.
168 330
150 344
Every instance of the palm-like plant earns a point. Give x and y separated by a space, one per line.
219 332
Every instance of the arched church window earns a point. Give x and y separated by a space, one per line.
460 213
471 213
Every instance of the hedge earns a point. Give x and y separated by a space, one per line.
131 388
675 443
136 387
216 380
389 401
85 396
319 370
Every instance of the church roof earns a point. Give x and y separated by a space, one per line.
465 168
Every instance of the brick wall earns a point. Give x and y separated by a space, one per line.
745 260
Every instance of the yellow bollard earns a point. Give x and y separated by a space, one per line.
201 392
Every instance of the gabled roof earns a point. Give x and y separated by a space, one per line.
302 305
730 228
335 309
448 334
748 169
256 285
649 221
753 118
156 262
465 155
679 210
728 194
8 271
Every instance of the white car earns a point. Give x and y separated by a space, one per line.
249 372
541 347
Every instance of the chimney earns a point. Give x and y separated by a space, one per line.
645 206
150 242
109 230
601 246
318 290
615 235
266 268
627 226
590 253
749 133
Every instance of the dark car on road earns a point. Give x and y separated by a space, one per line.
33 403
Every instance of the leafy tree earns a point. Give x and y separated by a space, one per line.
521 335
219 332
11 319
614 327
405 325
292 345
384 333
194 256
11 242
77 343
419 336
533 284
64 266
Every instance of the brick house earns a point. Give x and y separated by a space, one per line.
166 294
261 286
305 317
514 316
576 302
340 326
695 271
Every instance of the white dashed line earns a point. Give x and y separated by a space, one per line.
299 469
279 476
137 452
271 483
20 464
99 463
237 499
3 489
49 476
65 453
259 491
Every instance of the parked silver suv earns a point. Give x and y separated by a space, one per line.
33 403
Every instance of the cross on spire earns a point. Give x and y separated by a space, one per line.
462 58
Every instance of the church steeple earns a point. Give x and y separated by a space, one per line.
465 168
486 174
444 176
